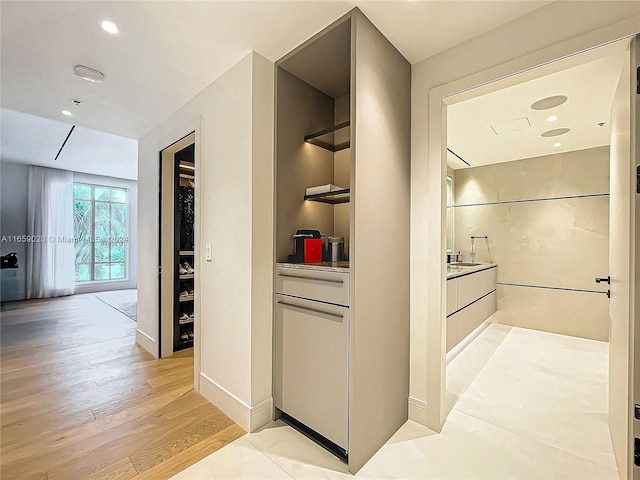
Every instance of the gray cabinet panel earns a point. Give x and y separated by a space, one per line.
311 382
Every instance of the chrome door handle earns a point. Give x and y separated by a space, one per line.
311 309
329 280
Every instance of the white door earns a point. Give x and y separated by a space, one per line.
622 264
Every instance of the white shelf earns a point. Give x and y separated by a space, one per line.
187 253
187 276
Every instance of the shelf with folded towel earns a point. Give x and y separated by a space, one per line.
333 196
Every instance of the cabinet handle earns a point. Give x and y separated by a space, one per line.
329 280
311 309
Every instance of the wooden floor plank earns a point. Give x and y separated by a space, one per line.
79 399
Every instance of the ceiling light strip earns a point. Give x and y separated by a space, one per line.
458 156
65 142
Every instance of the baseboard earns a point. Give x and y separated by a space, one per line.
146 342
250 418
418 411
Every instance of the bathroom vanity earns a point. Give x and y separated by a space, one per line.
471 298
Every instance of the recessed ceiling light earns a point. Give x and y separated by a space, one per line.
552 118
67 113
549 102
88 73
557 144
555 132
109 27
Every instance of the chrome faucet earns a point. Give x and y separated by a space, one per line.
472 250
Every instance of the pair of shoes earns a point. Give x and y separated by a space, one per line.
190 334
185 289
185 268
184 337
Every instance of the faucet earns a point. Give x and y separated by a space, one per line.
472 250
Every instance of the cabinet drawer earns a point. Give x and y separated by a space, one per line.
452 331
330 287
452 296
471 287
311 365
472 316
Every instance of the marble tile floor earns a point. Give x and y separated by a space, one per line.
522 404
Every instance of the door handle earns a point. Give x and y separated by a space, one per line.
314 310
603 280
303 277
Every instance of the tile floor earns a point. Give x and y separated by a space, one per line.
523 404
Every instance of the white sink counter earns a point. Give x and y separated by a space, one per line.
454 271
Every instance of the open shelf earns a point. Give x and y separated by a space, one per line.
183 345
334 197
188 298
325 138
186 276
186 253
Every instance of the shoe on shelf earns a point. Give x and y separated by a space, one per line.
190 290
182 270
190 334
188 268
184 293
184 337
184 317
192 316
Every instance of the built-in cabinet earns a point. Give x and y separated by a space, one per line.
471 300
341 342
177 246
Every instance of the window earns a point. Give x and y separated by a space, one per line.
100 221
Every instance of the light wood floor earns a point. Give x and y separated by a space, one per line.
79 399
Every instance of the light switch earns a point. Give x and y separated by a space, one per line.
207 252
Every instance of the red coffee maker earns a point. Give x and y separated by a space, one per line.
307 246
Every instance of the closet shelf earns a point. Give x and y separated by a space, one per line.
326 138
334 197
186 253
185 322
186 276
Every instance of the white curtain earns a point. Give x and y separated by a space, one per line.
51 252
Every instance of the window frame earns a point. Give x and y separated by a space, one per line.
92 263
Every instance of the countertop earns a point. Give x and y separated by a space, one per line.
342 267
454 271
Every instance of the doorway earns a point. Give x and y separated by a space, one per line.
178 272
455 99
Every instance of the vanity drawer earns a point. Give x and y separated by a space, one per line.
471 287
323 286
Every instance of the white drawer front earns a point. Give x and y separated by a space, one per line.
331 287
471 287
472 316
452 296
311 365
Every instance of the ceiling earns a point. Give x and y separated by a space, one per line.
590 87
168 51
86 150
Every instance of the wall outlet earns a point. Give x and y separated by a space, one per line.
207 252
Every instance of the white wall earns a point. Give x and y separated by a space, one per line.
552 32
14 178
551 242
233 120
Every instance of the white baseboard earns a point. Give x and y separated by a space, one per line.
250 418
146 342
418 411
